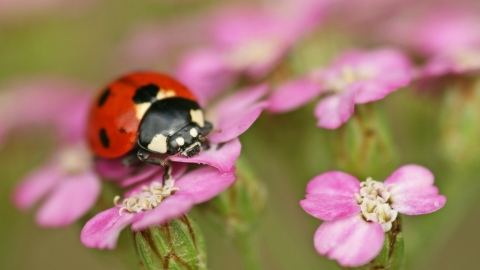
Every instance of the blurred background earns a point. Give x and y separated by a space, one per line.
90 42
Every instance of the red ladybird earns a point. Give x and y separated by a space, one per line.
149 112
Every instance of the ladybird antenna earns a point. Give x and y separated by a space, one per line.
204 138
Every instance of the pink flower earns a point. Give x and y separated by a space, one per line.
154 204
355 77
446 34
357 214
246 41
451 37
66 183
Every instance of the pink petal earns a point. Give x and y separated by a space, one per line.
205 73
48 100
369 91
335 110
413 192
330 208
409 178
330 196
172 207
221 156
418 203
235 122
145 171
351 241
112 169
293 94
103 229
69 201
235 114
203 184
238 24
240 100
36 185
334 183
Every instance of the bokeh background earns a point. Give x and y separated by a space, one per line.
90 42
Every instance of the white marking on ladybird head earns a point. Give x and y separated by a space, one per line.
197 117
158 144
141 108
162 94
193 132
180 141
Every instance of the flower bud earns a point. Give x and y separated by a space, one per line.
177 244
363 145
459 121
239 208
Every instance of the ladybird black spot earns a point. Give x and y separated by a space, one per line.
146 93
104 138
103 97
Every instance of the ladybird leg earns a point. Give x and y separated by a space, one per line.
143 155
167 175
130 159
207 128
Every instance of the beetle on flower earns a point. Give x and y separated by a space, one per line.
357 214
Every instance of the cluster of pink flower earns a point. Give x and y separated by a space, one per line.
250 43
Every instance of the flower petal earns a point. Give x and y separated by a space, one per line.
144 172
409 178
172 207
45 100
237 113
330 196
203 184
241 100
335 110
102 230
206 73
413 192
418 203
292 95
351 241
221 156
36 185
112 169
69 201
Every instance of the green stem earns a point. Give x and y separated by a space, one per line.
247 244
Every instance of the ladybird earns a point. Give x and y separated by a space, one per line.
144 113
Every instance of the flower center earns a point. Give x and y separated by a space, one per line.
346 76
150 197
255 52
375 205
467 59
75 159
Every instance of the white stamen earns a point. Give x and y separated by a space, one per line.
150 197
374 203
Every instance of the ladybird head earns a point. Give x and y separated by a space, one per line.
187 141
